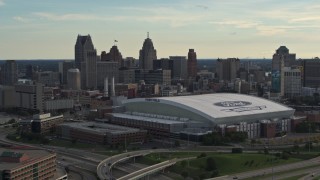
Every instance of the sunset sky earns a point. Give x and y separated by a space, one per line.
47 29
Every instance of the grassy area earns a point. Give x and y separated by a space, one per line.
225 163
295 177
282 173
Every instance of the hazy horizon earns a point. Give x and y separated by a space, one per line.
251 29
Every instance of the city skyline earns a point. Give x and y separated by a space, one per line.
246 29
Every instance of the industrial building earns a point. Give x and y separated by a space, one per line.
100 133
27 164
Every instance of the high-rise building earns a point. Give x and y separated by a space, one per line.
311 75
9 74
153 76
227 69
83 45
180 67
147 55
30 96
63 70
29 71
114 55
48 78
107 69
192 63
74 81
292 82
281 58
89 70
282 53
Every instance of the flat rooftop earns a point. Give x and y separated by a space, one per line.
148 119
33 156
100 128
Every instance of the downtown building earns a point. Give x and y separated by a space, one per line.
147 55
9 73
227 69
311 74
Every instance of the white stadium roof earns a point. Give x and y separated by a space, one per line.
224 107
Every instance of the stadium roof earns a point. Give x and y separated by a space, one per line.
228 107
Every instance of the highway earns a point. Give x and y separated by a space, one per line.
104 169
267 171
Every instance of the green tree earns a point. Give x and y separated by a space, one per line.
184 163
184 174
211 164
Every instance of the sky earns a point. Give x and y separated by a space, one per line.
47 29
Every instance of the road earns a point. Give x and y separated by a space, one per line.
271 170
104 169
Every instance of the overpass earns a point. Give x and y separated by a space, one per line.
152 169
104 169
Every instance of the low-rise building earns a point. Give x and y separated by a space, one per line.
41 123
100 133
27 164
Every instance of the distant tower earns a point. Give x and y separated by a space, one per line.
147 54
83 45
114 55
281 58
106 90
9 73
192 63
73 79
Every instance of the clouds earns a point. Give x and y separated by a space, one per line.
2 2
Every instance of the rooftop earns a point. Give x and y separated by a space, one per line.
100 128
33 155
149 119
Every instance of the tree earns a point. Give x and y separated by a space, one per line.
210 164
184 174
176 143
184 163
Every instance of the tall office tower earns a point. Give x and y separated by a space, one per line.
147 55
30 96
180 67
89 70
103 56
192 63
83 45
74 81
29 71
282 53
227 69
130 62
114 55
311 75
107 69
291 82
9 73
282 58
63 70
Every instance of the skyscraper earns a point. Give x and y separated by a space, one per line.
227 69
83 45
9 74
311 75
281 58
147 55
63 70
180 68
89 70
192 63
282 53
114 55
